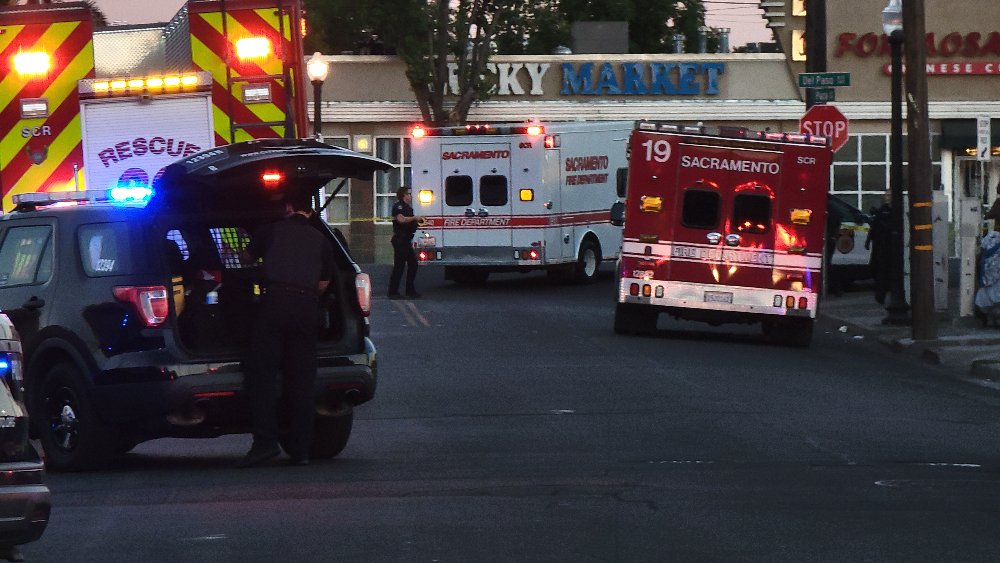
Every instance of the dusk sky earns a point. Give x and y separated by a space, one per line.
743 17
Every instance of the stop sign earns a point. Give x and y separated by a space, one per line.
827 121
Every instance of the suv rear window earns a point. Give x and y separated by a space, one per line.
105 249
26 255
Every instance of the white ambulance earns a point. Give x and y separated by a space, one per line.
519 197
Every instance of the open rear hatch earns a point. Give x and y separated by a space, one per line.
209 205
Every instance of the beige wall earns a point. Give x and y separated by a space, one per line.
869 82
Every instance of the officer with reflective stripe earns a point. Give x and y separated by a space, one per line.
298 265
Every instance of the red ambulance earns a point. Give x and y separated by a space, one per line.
723 225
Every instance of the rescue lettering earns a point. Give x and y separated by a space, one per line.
474 155
141 146
732 164
581 163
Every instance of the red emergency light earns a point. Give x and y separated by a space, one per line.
271 179
418 132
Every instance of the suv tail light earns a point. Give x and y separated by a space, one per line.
150 301
363 285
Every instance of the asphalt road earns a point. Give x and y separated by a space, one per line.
511 424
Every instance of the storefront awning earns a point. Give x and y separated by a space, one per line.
961 133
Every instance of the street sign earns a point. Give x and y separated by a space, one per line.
823 95
825 120
983 138
824 79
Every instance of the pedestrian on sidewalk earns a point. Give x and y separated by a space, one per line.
988 294
879 242
404 225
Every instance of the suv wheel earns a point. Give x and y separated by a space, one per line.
331 435
71 434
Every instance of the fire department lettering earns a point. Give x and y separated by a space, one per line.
733 164
140 146
476 221
470 155
723 255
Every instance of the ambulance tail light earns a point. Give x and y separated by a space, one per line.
790 302
800 216
149 301
803 303
363 287
633 289
425 196
651 204
32 64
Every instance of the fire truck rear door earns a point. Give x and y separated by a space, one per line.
723 232
477 194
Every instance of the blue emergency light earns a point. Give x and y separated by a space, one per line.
130 194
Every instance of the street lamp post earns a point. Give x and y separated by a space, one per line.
896 307
317 69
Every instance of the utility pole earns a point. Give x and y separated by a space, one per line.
921 197
815 43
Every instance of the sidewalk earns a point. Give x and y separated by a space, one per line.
963 345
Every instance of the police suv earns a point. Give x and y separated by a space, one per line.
134 304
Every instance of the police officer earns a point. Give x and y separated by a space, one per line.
404 225
298 265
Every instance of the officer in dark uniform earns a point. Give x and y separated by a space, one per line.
298 264
404 225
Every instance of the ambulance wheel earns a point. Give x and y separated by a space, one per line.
635 319
588 263
789 332
470 276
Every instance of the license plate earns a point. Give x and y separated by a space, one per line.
718 297
426 242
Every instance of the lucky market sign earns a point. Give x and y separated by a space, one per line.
606 79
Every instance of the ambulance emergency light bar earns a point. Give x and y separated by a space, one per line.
732 132
477 129
143 86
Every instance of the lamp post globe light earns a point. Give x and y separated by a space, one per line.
317 70
896 307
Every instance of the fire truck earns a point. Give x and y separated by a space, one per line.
83 108
723 225
518 197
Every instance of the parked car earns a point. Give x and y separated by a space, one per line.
134 305
24 498
850 259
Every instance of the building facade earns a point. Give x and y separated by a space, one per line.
367 104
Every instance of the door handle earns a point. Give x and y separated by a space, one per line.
470 212
483 212
34 303
733 239
714 238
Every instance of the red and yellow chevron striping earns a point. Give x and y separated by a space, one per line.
39 153
212 43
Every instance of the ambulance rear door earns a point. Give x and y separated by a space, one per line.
723 231
477 194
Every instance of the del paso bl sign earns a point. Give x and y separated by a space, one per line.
605 79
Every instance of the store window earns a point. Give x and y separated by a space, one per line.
860 172
338 212
397 151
